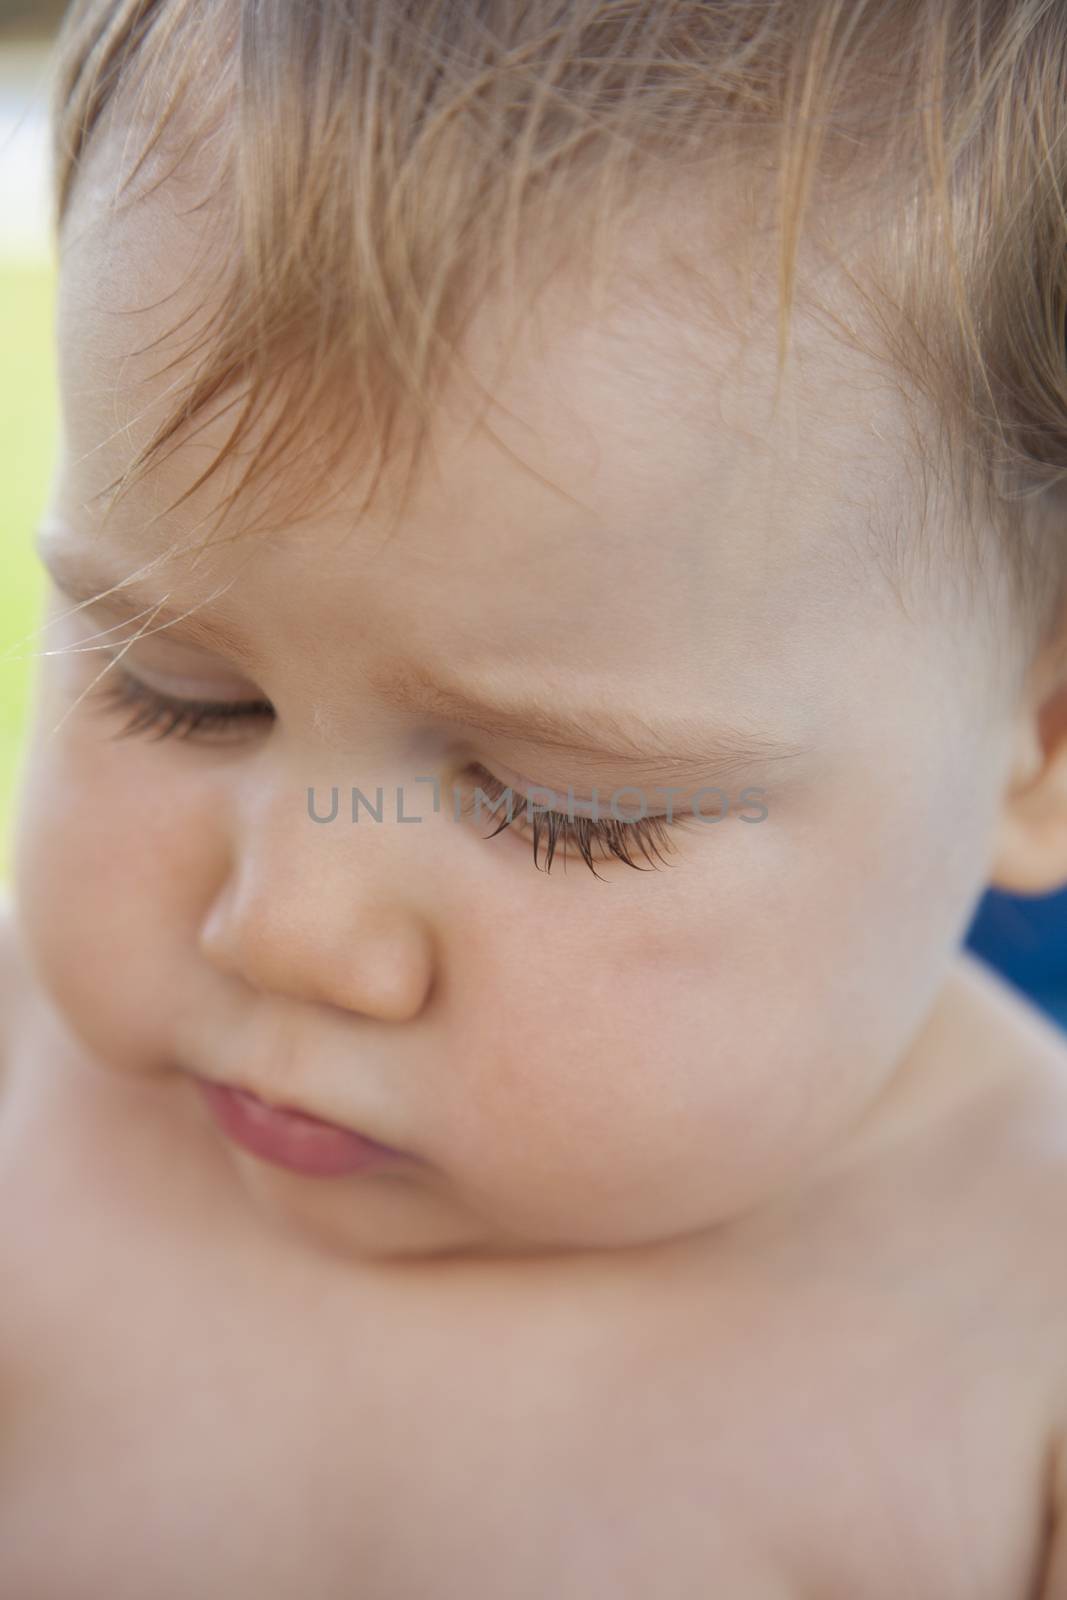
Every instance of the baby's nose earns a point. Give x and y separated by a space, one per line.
322 923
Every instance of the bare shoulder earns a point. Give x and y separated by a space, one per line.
1008 1055
979 1143
1023 1055
1026 1120
976 1161
1029 1054
983 1097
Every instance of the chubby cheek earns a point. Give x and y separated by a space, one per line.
665 1062
102 889
652 1066
642 1098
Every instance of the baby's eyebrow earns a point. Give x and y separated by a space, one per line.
678 750
130 603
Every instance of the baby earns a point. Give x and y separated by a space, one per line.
498 1108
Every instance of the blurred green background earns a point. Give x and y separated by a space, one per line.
27 430
28 406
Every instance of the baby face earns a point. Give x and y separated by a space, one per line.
635 576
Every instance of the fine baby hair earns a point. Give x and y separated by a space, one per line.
378 167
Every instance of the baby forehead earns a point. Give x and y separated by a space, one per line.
612 419
639 437
678 314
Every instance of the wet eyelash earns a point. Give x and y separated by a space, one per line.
650 835
163 716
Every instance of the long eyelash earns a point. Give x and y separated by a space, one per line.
649 834
162 716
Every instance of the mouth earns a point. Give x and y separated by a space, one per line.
293 1139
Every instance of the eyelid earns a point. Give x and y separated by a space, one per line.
184 687
628 807
119 690
536 797
524 786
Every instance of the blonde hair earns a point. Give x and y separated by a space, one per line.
388 162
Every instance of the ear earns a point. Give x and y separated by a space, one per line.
1031 849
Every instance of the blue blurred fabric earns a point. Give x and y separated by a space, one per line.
1025 939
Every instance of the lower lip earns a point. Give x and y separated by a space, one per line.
290 1138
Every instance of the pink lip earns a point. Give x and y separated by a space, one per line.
291 1139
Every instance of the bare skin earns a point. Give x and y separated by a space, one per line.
857 1392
